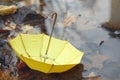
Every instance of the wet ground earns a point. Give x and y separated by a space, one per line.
102 52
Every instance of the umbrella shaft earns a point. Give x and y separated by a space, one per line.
54 16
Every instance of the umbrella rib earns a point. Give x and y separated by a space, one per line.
24 46
41 47
50 68
61 51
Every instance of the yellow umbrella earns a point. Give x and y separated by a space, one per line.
45 53
61 55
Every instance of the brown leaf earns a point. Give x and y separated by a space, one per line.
5 10
97 60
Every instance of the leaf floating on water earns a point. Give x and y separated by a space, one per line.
97 60
68 20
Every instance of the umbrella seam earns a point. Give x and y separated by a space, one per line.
24 46
55 64
50 68
41 47
61 51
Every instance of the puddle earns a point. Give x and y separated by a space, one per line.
86 34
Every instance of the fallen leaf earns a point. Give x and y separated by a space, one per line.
5 10
68 20
97 60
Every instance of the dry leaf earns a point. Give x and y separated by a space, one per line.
68 20
5 10
5 75
97 60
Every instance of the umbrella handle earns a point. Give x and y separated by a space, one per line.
54 17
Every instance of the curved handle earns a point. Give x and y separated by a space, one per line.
54 17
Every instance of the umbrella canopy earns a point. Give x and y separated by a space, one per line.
60 57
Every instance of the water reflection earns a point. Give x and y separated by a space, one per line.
86 34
